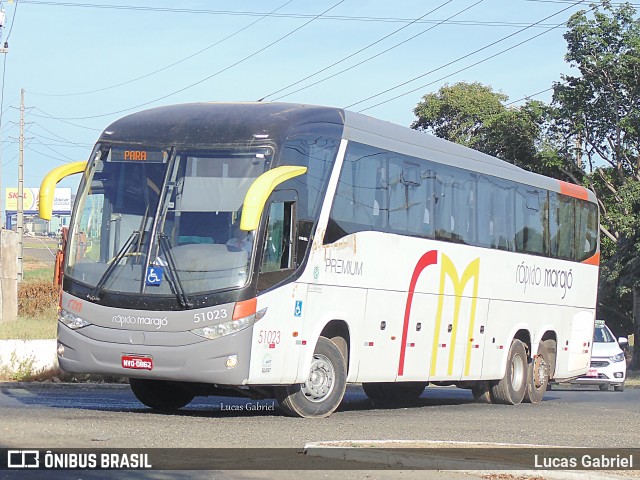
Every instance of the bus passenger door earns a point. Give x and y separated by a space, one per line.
274 356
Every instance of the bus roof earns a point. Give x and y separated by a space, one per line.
205 123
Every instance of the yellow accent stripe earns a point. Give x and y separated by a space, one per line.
260 190
48 186
474 270
436 328
448 269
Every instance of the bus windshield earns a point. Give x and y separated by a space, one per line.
170 209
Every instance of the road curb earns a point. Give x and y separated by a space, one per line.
33 355
369 451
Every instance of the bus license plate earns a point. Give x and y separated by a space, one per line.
137 362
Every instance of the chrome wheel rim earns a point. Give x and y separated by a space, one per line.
517 372
321 379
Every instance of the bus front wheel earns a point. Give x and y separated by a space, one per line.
511 389
322 393
160 394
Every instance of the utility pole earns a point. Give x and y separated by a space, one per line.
20 226
4 50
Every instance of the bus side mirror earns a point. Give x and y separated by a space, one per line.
259 191
48 186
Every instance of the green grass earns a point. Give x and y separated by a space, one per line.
31 328
41 325
44 273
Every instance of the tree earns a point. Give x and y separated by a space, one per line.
599 112
473 115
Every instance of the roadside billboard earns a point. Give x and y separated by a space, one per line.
61 200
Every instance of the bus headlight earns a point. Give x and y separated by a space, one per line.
72 321
617 358
218 330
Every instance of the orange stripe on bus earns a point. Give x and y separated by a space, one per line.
573 190
245 308
595 260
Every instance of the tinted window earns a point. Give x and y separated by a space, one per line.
586 229
495 217
531 223
408 197
386 191
360 200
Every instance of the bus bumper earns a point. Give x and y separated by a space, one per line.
206 361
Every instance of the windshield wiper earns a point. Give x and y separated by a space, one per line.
94 295
174 278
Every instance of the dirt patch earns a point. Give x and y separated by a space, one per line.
35 298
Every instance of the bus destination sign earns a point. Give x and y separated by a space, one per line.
136 154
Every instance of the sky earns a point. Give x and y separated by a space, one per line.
85 64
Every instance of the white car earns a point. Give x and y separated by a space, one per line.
608 363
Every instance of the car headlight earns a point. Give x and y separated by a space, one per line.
218 330
72 321
617 358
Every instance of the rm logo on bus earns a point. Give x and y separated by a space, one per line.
447 270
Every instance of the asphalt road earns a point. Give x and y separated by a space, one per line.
109 416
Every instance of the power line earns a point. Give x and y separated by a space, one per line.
171 64
454 73
13 21
4 63
527 97
210 76
4 71
29 147
459 59
615 4
376 55
28 142
355 53
276 15
63 120
58 137
52 149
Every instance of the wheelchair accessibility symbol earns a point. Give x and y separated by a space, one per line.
154 275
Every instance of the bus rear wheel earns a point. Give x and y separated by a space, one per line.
394 391
511 389
538 376
160 394
322 393
482 392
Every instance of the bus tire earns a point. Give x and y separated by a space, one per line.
537 376
160 394
322 393
511 389
394 391
482 392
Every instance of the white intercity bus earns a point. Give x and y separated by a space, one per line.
275 250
